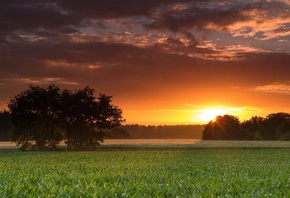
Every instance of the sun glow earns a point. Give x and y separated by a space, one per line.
207 115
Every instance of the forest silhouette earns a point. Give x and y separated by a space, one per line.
275 126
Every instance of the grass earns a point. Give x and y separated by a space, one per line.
140 172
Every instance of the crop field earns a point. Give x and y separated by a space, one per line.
147 172
194 143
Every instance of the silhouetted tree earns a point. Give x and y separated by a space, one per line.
87 119
5 125
225 127
277 126
253 128
42 117
35 117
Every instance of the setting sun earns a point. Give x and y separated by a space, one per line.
207 115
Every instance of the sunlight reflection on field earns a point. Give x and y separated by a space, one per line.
7 144
195 143
151 141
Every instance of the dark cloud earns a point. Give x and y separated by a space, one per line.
18 15
124 62
111 8
22 15
65 17
201 18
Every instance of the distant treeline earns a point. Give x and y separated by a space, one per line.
158 132
275 126
126 131
5 125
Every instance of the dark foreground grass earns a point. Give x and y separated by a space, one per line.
135 172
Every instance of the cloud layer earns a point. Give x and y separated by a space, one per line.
145 49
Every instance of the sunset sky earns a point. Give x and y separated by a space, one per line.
163 61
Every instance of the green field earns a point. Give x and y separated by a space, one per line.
147 172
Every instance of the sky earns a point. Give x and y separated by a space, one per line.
163 61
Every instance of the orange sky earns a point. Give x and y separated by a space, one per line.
164 62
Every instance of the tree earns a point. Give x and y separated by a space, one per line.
226 127
5 125
277 126
253 128
42 117
35 117
87 119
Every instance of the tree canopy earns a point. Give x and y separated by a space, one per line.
42 117
224 127
275 126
